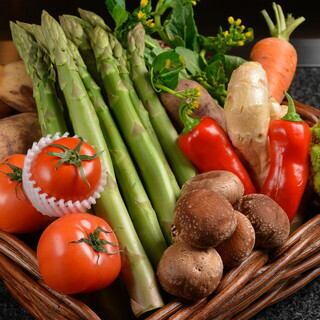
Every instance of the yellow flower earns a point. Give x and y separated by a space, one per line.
194 2
242 27
238 22
225 33
150 23
240 43
195 104
248 34
144 3
198 91
231 20
141 15
168 64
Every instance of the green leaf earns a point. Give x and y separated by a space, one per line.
180 28
152 50
231 63
165 70
192 60
215 70
117 9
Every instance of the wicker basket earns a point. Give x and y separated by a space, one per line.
262 280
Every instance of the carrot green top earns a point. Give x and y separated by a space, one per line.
284 26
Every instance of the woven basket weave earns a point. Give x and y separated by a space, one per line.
260 281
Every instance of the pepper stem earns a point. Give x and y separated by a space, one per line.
292 114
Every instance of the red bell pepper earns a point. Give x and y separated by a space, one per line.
289 142
207 146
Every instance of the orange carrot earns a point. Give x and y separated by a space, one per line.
276 54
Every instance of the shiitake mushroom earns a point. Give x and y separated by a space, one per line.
203 218
239 246
270 222
223 182
189 273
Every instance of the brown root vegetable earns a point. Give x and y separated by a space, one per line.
247 112
222 182
237 248
5 110
268 219
203 218
17 133
16 87
208 106
189 273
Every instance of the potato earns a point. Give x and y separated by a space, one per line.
189 273
208 106
5 110
17 133
223 182
16 87
268 219
203 218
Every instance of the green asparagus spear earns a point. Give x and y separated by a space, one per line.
162 125
74 28
142 214
151 167
42 74
119 53
36 32
137 272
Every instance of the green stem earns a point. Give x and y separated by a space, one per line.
188 122
292 114
283 27
168 90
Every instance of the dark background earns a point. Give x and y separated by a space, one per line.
209 14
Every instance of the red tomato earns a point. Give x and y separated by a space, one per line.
64 180
69 264
17 215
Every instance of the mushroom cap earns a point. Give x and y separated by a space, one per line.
223 182
268 219
188 272
203 218
237 248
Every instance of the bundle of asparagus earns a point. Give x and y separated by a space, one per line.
135 136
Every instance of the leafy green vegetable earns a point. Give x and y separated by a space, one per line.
192 60
231 63
117 10
179 28
165 70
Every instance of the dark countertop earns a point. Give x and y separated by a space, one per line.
304 305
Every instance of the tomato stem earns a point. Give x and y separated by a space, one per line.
16 174
73 157
98 244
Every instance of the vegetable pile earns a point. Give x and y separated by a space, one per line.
163 158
